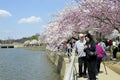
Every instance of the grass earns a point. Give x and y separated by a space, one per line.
118 56
113 65
36 48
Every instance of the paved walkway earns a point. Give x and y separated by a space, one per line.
111 75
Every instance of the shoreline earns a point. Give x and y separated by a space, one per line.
55 61
35 48
113 65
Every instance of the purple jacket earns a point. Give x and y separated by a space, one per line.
100 51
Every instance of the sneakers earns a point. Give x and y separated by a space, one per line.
92 79
114 59
83 75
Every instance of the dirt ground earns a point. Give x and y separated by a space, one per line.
114 65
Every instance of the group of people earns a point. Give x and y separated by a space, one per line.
83 47
86 44
113 47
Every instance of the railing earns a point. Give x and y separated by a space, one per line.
72 72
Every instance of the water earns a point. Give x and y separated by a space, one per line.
20 64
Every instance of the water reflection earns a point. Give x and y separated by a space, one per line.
19 64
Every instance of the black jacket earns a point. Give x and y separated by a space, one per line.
91 47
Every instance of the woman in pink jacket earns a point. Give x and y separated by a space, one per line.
100 55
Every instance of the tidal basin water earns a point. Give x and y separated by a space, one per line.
20 64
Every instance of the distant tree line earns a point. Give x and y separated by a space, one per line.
22 40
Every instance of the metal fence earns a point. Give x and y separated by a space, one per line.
72 72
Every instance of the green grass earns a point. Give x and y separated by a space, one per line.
36 48
118 56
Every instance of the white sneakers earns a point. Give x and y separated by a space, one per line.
114 59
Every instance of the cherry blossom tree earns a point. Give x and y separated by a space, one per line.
102 16
106 14
54 36
98 16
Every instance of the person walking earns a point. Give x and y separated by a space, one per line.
110 43
91 60
79 48
69 49
114 50
102 44
100 55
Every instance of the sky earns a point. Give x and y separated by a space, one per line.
24 18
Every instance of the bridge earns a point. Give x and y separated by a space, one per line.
11 45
